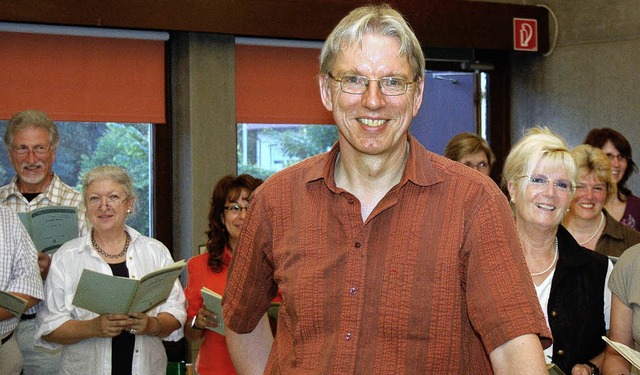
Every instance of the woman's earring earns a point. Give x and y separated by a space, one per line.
129 211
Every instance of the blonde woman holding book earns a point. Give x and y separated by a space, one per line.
108 343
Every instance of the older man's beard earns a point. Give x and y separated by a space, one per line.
33 179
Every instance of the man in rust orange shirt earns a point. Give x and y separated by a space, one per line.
390 259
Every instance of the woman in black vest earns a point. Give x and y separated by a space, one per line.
570 281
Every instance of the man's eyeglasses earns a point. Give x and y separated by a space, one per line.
390 86
24 150
540 182
113 200
235 209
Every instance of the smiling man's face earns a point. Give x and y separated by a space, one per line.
372 123
33 167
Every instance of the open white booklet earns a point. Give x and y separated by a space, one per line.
629 354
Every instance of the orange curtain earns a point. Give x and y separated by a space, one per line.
77 78
278 85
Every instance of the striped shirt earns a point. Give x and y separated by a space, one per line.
432 282
56 194
19 272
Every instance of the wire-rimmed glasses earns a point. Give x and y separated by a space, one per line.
389 86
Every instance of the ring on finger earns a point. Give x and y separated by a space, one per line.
133 331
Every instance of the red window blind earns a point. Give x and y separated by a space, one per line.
78 78
278 85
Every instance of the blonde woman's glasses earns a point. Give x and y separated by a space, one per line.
540 182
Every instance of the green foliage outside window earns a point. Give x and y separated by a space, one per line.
126 146
86 145
286 145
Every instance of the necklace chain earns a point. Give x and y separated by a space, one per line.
555 257
99 250
593 235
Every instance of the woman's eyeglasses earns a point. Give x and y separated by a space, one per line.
541 182
235 209
113 200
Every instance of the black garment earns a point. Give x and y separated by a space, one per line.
30 196
122 346
576 303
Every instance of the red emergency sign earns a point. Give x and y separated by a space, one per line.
525 34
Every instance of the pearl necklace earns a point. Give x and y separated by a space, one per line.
593 235
555 257
99 250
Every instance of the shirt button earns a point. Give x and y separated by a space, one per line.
560 352
554 314
357 245
352 291
347 336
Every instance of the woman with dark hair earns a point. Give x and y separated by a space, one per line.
625 207
229 205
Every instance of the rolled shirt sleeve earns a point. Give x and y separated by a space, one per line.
19 271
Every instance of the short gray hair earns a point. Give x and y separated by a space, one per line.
373 19
31 118
109 172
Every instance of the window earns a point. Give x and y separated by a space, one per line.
273 133
264 149
85 145
112 82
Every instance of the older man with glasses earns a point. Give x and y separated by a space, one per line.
31 139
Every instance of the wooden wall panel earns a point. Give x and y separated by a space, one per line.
437 23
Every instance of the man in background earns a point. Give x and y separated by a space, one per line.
32 140
18 276
390 259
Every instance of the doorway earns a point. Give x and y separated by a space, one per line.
454 102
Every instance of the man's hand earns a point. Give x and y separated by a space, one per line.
44 261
